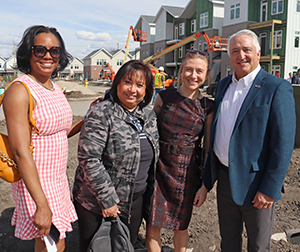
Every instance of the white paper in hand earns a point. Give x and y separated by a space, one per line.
50 244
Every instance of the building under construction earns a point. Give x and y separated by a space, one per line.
276 23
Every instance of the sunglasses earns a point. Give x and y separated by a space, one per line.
40 51
197 51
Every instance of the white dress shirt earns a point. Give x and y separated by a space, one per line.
230 107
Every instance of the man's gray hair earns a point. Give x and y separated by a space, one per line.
248 33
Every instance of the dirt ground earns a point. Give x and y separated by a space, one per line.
203 230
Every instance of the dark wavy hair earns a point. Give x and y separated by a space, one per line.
129 68
24 51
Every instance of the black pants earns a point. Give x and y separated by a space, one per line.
89 222
258 222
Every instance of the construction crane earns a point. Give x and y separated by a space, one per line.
138 35
110 75
214 44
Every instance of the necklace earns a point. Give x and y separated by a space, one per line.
51 89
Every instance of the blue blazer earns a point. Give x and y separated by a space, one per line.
262 140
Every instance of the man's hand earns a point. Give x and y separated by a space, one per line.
262 201
200 196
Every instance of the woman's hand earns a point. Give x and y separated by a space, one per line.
43 219
200 196
111 212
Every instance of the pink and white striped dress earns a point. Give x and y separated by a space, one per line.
53 118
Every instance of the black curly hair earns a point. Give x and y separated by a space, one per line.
24 51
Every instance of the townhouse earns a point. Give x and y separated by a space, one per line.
280 53
96 63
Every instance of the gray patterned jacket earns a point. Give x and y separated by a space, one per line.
109 157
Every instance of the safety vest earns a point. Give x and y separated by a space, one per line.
158 80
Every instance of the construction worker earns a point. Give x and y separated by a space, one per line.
159 82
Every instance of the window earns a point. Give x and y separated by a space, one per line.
181 29
160 33
205 47
180 52
228 70
192 46
200 46
104 62
119 62
276 70
71 66
235 11
277 6
176 32
297 37
277 40
98 62
263 43
152 30
263 11
298 6
204 20
193 26
76 67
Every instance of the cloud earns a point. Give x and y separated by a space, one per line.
101 37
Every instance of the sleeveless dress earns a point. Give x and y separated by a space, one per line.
180 126
53 118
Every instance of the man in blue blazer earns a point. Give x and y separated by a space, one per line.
252 140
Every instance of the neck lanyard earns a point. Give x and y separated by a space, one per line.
136 121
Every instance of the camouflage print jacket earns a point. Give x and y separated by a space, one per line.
109 157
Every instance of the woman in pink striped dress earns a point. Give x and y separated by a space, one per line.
42 196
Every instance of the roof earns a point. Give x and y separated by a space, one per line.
172 10
190 9
91 54
148 19
77 59
114 52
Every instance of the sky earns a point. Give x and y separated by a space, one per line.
85 25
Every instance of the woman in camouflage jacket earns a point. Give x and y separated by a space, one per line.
117 152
